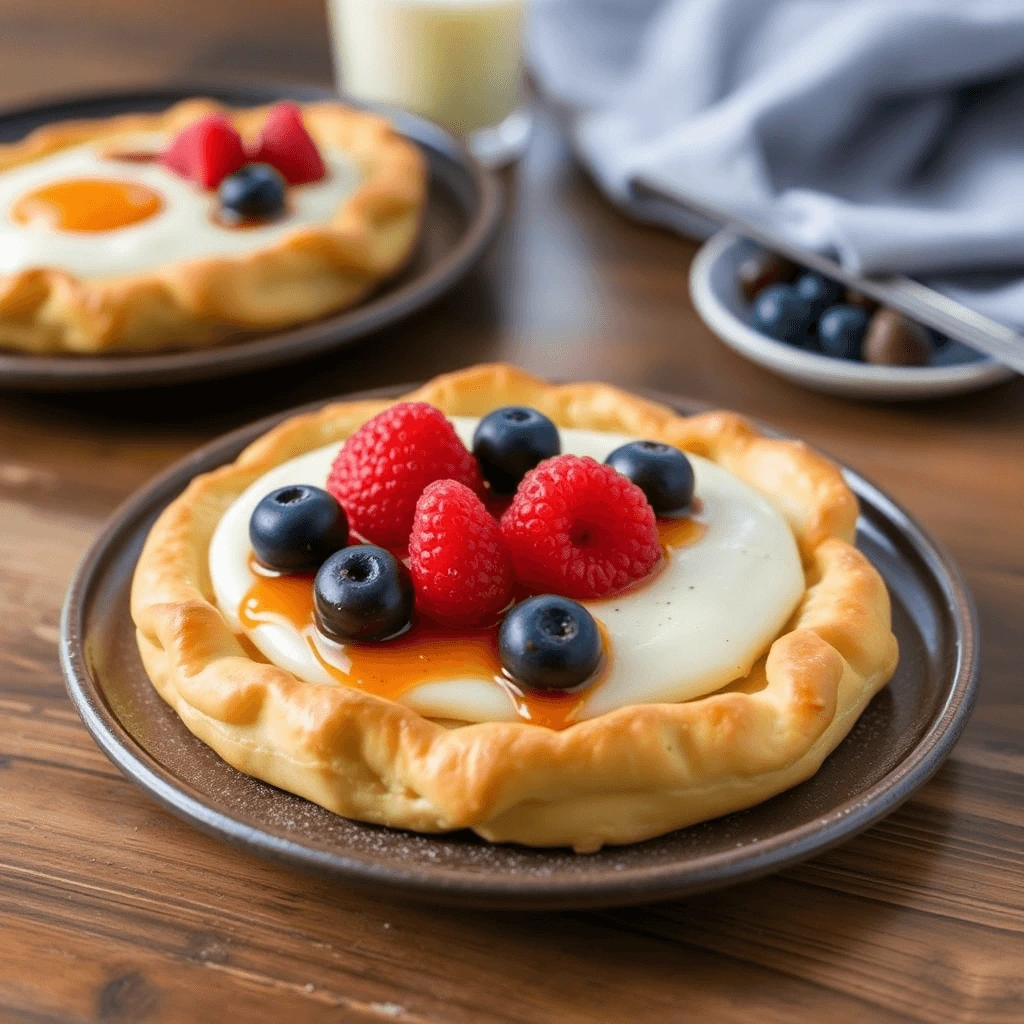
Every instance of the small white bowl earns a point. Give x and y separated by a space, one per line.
718 299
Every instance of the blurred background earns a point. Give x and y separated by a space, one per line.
121 43
871 132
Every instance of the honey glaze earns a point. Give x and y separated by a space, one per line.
680 532
87 205
131 156
427 652
229 221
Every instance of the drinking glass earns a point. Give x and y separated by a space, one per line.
457 62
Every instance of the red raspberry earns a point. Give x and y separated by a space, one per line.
384 466
285 144
459 565
580 529
206 152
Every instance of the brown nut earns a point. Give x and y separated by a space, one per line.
762 269
856 298
894 340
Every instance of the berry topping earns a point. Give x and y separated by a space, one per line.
362 593
841 331
580 528
285 144
460 568
294 528
510 442
549 643
818 292
780 313
256 191
384 466
662 472
206 152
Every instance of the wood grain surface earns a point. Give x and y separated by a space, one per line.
111 910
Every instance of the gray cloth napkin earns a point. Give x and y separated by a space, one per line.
888 134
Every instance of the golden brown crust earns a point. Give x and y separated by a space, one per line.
628 775
311 272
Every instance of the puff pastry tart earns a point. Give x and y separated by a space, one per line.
558 616
175 230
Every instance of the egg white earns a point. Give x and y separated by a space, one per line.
183 230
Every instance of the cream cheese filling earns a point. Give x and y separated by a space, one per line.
694 627
183 230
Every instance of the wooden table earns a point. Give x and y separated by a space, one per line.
112 910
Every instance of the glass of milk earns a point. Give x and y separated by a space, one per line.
457 62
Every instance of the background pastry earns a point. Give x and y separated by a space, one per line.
174 230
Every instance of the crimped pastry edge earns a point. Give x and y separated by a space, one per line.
311 272
625 776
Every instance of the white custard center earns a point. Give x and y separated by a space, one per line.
691 629
183 230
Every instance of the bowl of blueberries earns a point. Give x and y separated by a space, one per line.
820 334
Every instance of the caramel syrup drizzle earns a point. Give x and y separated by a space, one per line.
426 652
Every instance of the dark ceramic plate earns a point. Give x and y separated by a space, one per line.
898 743
461 214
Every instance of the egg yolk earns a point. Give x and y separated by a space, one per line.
87 204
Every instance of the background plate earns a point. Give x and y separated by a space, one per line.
899 741
717 299
461 214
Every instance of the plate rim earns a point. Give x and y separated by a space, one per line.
818 371
28 372
634 886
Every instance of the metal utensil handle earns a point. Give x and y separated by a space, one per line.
918 301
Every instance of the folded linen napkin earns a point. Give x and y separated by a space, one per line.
889 136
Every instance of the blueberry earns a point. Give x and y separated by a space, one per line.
818 292
781 314
510 442
954 353
662 472
294 528
256 191
549 643
841 331
362 593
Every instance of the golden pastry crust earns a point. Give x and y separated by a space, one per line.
627 775
314 271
